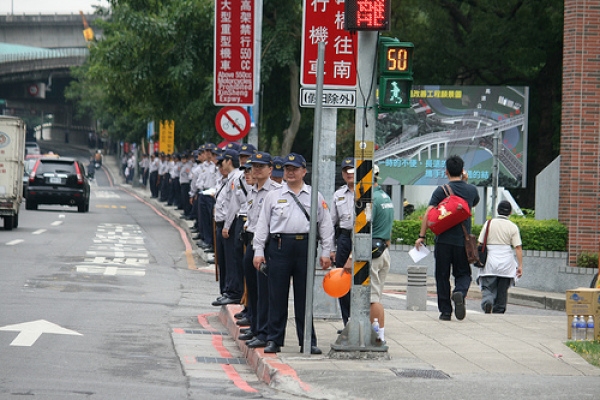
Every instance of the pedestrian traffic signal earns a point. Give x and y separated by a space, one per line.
395 73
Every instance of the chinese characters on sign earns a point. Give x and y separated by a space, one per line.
368 15
332 98
234 53
323 21
166 134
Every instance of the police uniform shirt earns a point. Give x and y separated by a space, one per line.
256 198
145 163
185 173
223 197
164 168
342 210
173 169
210 177
154 164
238 198
201 176
281 214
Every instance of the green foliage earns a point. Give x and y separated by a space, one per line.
589 350
548 235
587 260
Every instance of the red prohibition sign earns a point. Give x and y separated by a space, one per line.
232 123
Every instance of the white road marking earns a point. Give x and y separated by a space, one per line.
29 332
13 242
57 223
93 269
38 232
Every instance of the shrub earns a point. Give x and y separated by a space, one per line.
546 235
587 260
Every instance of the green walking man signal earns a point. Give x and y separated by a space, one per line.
395 73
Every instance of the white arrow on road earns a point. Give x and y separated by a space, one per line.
29 332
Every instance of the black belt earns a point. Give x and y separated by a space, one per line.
294 236
220 224
346 232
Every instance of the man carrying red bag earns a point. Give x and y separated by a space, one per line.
450 254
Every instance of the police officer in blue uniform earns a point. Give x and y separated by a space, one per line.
284 222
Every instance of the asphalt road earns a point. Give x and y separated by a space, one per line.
90 303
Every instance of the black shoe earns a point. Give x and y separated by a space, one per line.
242 322
245 330
256 342
240 315
197 237
210 250
313 350
226 301
193 230
339 331
272 347
210 261
445 317
246 336
487 308
459 305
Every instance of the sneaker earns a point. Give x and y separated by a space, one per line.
459 305
487 308
445 317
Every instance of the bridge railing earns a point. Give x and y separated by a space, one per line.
44 55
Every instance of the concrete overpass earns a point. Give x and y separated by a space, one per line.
37 53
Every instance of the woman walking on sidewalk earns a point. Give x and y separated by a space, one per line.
501 269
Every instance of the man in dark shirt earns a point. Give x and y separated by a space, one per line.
450 253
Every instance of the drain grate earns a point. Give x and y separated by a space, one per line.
420 373
221 360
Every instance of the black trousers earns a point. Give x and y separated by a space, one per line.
154 184
287 259
234 286
450 259
344 248
185 198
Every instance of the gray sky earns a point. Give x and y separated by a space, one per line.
49 6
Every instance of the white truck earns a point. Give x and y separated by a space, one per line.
12 153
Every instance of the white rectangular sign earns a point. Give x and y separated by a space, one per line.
332 98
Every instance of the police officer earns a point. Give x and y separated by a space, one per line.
154 164
342 217
277 173
230 281
257 284
284 220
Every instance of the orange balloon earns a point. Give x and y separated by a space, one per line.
337 282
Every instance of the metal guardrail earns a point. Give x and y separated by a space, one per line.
44 55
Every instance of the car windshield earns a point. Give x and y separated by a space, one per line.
56 167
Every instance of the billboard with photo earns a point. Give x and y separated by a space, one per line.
413 144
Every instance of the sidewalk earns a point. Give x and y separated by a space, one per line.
427 358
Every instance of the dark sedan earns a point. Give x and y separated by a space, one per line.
58 181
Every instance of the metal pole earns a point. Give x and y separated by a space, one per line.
258 14
495 172
358 335
314 193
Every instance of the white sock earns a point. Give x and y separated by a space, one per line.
381 334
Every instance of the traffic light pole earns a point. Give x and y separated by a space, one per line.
358 340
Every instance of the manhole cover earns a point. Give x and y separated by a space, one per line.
420 373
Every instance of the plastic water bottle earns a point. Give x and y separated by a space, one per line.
574 332
590 328
376 325
581 328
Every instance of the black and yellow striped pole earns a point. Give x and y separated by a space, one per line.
358 335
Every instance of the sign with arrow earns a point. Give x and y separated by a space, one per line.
29 332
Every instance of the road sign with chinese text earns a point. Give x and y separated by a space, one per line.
234 53
323 21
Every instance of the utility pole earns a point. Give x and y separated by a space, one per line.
358 335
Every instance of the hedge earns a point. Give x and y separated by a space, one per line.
548 235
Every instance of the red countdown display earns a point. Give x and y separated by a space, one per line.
367 15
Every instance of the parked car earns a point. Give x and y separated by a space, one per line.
59 180
32 148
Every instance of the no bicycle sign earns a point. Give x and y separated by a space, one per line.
232 123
